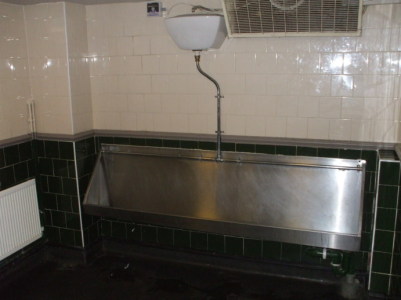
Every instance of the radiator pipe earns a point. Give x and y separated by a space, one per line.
218 97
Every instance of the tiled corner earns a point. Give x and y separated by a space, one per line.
384 275
58 192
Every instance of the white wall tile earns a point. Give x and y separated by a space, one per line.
318 128
297 128
311 87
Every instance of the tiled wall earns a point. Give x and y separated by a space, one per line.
58 192
386 263
14 78
17 164
59 72
79 79
48 60
60 199
343 88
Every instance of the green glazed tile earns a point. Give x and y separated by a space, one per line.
171 143
50 201
149 234
74 203
366 241
11 155
67 237
307 258
165 236
350 154
379 283
66 150
389 173
291 252
385 219
137 142
121 141
306 151
31 168
397 244
73 221
367 222
118 230
327 152
71 169
2 159
59 219
384 241
396 287
252 248
182 239
396 270
154 142
272 250
25 151
78 238
106 228
39 148
134 232
381 262
52 149
55 185
234 245
60 167
227 146
360 261
53 234
370 182
48 217
371 159
106 140
245 148
286 150
215 243
368 201
388 196
69 186
7 179
189 144
21 171
268 149
198 240
208 146
398 223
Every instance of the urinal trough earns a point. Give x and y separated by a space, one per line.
301 200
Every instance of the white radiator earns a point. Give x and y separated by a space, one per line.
19 218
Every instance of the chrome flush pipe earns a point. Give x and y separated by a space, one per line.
218 97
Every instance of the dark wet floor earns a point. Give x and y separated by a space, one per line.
114 277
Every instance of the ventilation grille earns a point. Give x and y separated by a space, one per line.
293 17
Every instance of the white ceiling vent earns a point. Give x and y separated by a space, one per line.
253 18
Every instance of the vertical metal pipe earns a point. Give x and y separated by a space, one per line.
218 97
